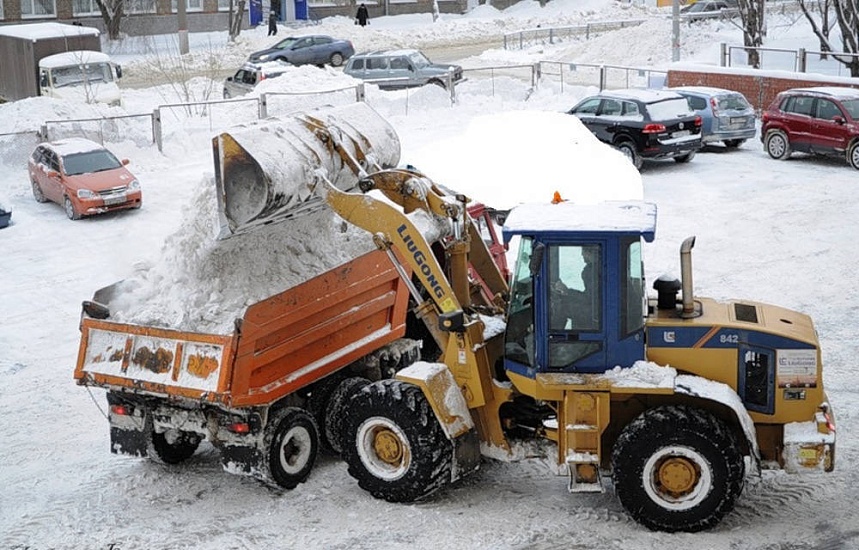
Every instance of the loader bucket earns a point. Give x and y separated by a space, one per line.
266 172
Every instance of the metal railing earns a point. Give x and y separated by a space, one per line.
539 35
603 76
799 60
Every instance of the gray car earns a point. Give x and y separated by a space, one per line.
726 115
393 69
251 74
316 49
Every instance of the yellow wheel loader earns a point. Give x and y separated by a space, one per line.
676 397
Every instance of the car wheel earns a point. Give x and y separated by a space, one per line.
70 209
853 155
283 59
37 192
777 145
336 59
734 143
227 94
628 150
438 83
683 159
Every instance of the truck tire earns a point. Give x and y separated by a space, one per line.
397 450
677 468
336 411
172 446
291 444
317 404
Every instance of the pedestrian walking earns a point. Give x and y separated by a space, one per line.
272 23
362 17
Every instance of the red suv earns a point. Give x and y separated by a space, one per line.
822 121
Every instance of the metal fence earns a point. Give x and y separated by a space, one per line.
799 60
602 76
540 36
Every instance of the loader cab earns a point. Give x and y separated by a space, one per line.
577 300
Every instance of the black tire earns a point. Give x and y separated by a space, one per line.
291 444
70 209
734 143
317 403
683 159
628 149
397 450
681 446
777 145
283 59
336 410
438 83
173 446
37 192
853 155
336 59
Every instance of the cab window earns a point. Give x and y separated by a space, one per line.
519 343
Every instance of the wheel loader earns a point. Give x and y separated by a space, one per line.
674 397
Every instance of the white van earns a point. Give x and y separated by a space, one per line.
82 75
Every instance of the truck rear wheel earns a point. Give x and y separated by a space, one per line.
172 446
677 468
397 450
335 412
291 443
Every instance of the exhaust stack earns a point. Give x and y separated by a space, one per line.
688 298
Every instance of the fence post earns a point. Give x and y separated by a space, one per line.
156 129
536 74
505 41
801 59
588 31
43 133
520 40
602 77
451 88
551 36
723 55
359 92
262 106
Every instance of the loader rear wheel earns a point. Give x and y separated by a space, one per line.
396 448
291 443
172 446
336 411
677 468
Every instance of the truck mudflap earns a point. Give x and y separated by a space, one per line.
810 446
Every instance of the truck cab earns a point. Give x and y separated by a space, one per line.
577 294
82 75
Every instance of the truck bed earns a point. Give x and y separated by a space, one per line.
281 344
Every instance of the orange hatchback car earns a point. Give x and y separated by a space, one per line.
83 177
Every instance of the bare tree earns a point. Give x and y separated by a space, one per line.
847 17
754 29
111 13
237 12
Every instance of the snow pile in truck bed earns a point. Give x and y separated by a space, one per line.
203 284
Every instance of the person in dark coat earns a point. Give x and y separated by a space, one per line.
272 23
362 17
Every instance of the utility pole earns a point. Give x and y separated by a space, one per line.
182 13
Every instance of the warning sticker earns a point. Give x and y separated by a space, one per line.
797 368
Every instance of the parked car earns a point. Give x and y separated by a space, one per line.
83 177
643 124
822 121
709 9
5 216
313 49
394 69
726 115
251 74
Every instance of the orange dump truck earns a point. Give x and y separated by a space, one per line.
261 394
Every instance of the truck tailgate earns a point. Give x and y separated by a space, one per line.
154 360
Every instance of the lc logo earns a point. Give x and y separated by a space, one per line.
668 336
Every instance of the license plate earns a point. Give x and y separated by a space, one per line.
114 199
680 134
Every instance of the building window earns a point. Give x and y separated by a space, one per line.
139 6
38 8
190 5
85 7
224 5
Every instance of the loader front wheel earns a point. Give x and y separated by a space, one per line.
393 443
172 446
677 468
291 443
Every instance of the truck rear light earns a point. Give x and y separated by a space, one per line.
827 417
653 128
121 410
239 427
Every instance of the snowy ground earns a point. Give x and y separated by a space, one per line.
779 232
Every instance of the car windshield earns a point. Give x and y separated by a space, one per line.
419 60
668 109
285 44
735 102
90 73
852 106
90 161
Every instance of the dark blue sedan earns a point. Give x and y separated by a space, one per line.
314 49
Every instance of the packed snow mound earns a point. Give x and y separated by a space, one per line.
203 284
549 152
